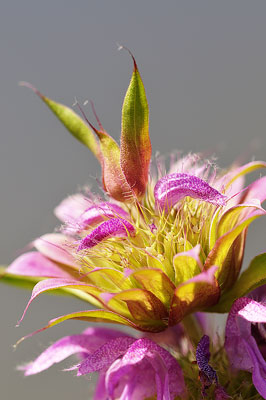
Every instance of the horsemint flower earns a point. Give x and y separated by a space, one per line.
156 248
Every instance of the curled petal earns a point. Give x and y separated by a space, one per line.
115 227
99 212
174 187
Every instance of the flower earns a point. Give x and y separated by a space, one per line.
246 337
156 248
128 367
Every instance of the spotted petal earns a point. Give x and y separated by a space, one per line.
115 227
174 187
100 212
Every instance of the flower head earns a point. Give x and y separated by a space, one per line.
156 248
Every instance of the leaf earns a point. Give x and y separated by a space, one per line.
135 140
72 121
253 277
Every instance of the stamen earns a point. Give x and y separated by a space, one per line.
174 187
115 227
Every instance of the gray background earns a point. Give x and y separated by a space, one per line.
203 64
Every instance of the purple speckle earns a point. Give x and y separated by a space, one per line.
115 227
99 212
203 357
174 187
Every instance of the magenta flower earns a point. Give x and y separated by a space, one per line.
246 338
128 368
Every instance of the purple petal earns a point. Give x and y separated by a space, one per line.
87 342
115 227
70 209
99 212
56 247
105 355
168 374
35 264
174 187
203 357
241 346
100 392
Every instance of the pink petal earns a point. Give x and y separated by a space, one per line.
88 342
256 190
168 374
99 212
174 187
70 209
36 264
135 382
57 247
240 345
115 227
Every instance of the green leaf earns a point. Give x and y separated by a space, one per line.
253 277
135 140
72 121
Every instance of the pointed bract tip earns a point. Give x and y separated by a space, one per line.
121 47
31 87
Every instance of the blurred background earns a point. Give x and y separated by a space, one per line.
203 64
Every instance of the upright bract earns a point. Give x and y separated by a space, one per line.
135 140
